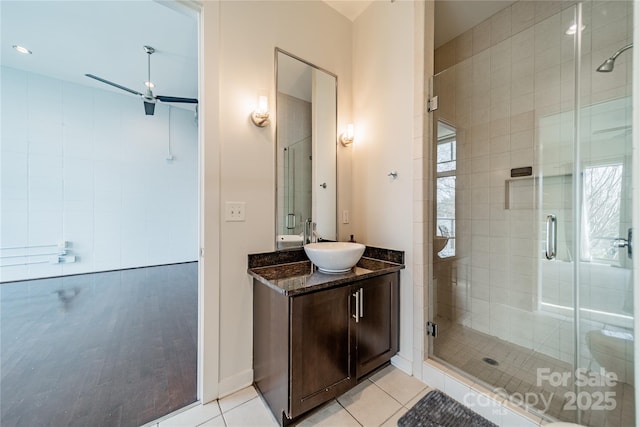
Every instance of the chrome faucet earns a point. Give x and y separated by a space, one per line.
310 235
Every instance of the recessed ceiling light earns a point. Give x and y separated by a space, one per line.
150 85
572 29
22 49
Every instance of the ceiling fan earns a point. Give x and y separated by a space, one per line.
148 97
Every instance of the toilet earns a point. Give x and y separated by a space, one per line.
613 350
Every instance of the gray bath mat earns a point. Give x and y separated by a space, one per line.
437 409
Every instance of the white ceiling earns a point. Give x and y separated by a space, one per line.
350 9
105 38
452 17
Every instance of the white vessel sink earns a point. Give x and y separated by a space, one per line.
334 257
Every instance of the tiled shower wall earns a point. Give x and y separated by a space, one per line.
507 86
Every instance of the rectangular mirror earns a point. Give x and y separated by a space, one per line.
306 138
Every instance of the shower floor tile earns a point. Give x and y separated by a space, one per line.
516 375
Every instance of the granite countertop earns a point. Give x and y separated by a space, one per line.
291 273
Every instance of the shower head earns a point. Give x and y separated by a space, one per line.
607 66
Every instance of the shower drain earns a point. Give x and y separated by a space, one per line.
490 361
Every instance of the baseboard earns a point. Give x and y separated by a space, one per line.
234 383
403 364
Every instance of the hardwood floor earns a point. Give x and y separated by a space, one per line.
114 349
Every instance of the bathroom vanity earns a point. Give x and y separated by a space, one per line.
315 335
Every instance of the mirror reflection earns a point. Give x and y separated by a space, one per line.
305 152
444 240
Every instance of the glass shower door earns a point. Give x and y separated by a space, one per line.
532 281
586 277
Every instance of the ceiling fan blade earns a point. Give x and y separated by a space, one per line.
149 108
176 99
100 79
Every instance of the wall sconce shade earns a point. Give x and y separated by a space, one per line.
346 138
260 115
573 28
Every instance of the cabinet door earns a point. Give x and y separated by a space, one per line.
322 336
377 327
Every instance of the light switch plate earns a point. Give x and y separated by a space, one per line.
345 216
234 211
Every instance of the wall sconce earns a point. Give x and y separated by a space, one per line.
573 28
260 115
346 138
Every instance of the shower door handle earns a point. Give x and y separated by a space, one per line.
290 222
356 316
625 243
550 251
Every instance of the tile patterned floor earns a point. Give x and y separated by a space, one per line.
515 372
378 401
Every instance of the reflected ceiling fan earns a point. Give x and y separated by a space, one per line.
148 97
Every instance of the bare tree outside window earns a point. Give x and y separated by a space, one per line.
446 188
602 199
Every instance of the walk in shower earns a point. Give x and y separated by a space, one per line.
532 266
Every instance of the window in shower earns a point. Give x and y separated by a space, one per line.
446 187
602 199
606 183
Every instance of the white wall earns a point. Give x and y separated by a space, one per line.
249 33
87 166
387 75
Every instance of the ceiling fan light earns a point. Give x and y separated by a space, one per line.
149 108
150 85
22 49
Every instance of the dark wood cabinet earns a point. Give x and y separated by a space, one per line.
312 347
377 328
321 341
